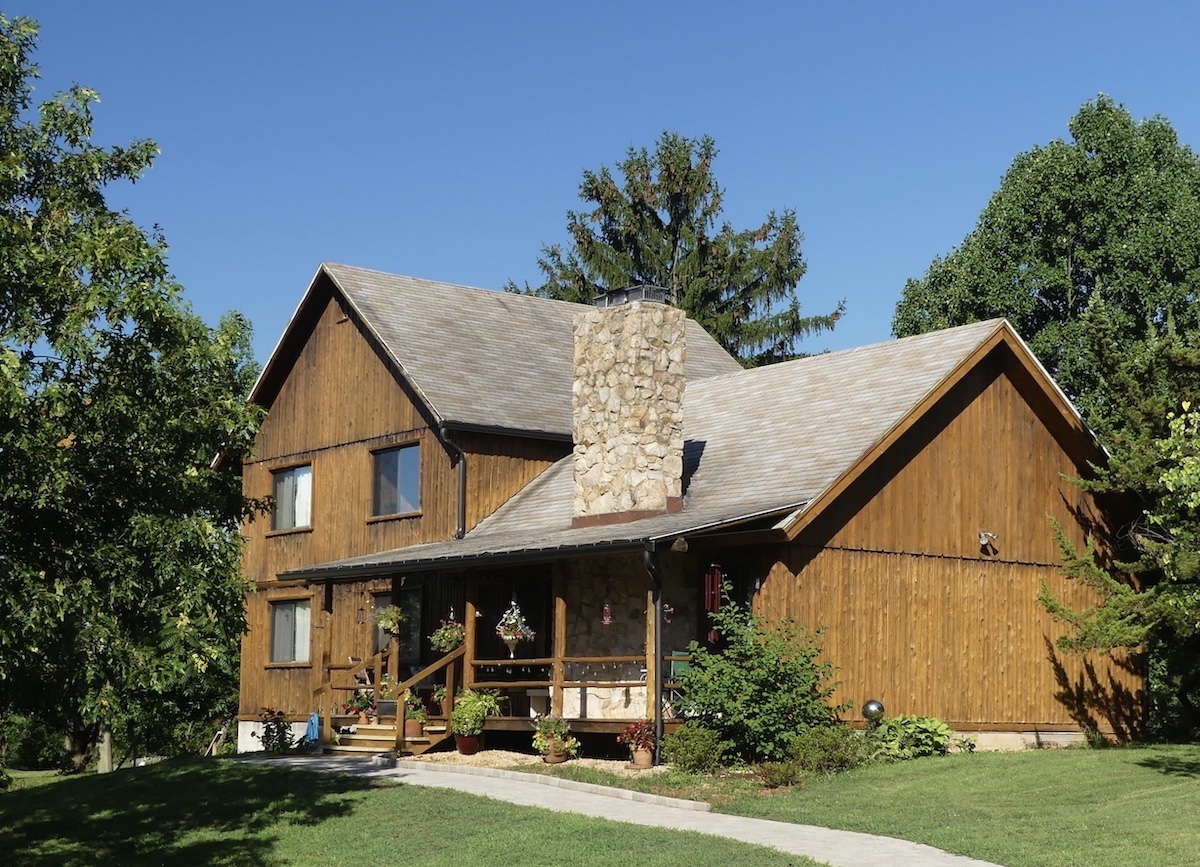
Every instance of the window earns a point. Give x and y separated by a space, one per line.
290 622
410 632
292 489
397 487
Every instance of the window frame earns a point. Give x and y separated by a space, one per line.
297 642
293 473
377 458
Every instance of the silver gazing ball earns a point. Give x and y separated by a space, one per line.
873 710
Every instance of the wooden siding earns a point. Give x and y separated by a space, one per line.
341 401
921 618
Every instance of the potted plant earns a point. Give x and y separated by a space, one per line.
388 618
388 697
439 697
448 636
415 716
513 628
639 737
361 703
471 708
553 739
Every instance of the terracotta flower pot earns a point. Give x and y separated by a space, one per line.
553 758
362 718
413 728
468 745
642 759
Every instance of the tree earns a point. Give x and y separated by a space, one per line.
1110 218
120 589
1092 249
660 227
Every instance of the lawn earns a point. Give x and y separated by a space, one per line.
1125 807
199 812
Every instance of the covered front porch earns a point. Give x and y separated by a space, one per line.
608 636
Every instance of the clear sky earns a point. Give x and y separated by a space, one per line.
446 140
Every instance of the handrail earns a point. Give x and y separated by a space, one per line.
446 662
321 693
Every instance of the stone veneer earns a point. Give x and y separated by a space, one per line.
620 580
628 411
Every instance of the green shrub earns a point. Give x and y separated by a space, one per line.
693 749
276 733
910 737
763 687
829 749
776 774
30 744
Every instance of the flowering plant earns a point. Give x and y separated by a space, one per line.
512 626
360 702
638 735
551 734
414 708
449 636
389 617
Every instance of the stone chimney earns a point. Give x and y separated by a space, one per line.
628 407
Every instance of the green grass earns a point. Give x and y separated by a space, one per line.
1124 807
199 812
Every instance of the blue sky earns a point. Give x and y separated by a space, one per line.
447 140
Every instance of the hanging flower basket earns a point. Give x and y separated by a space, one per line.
512 629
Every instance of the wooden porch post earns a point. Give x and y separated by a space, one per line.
651 661
559 649
472 593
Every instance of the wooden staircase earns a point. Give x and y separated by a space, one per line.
372 739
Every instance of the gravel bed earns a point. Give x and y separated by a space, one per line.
513 761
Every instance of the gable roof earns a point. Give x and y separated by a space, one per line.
477 358
773 442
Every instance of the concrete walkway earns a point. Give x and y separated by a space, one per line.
837 848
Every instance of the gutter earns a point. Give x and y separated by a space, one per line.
461 529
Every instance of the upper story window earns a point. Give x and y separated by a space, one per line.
397 481
290 629
292 489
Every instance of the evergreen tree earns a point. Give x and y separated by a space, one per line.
660 227
120 589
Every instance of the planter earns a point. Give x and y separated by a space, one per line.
468 745
363 719
413 728
512 647
642 759
554 758
386 707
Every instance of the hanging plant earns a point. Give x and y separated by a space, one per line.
513 628
449 636
389 618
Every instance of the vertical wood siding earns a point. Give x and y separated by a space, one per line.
922 619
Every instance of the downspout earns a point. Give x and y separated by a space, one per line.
461 528
650 561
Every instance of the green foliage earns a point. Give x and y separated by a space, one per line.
910 737
661 227
471 708
30 744
761 688
276 735
830 749
121 585
552 734
775 775
693 749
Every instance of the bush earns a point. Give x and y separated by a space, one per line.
830 749
761 689
911 737
693 749
776 774
276 733
30 744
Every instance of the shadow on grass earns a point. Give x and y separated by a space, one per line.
1175 766
180 812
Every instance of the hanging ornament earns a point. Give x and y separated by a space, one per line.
606 618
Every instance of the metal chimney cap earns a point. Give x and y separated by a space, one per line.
645 292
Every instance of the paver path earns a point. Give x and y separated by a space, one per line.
837 848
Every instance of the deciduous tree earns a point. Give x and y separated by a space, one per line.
120 589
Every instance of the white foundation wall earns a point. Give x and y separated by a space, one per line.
249 732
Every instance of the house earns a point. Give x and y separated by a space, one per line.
454 451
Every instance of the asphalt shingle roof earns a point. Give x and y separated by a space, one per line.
486 358
759 442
